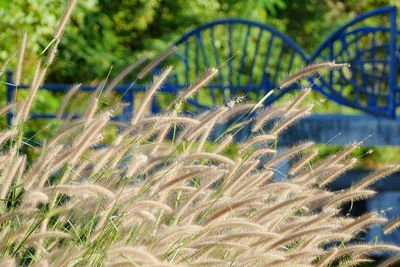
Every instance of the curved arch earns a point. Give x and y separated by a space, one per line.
266 27
370 84
265 57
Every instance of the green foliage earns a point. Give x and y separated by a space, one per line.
38 18
108 33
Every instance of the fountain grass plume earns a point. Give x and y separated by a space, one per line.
147 199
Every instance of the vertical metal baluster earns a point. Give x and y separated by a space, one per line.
266 60
230 66
393 63
11 97
244 54
254 57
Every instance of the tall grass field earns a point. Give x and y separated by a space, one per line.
160 193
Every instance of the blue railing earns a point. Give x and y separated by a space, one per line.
372 50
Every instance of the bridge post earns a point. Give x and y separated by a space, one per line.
11 96
393 63
127 112
281 172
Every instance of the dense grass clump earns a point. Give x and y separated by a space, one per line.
160 195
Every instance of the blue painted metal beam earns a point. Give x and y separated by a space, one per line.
333 129
338 129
